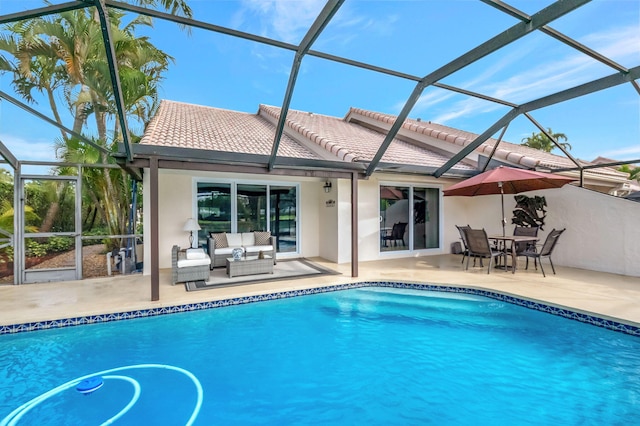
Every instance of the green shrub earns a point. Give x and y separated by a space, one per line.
35 249
58 244
94 232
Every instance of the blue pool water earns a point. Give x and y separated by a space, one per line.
356 357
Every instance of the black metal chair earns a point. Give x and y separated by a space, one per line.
525 231
546 250
463 237
479 246
397 233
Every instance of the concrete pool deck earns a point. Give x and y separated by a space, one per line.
608 296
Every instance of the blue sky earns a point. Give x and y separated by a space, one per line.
414 37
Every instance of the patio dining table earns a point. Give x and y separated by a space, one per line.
513 239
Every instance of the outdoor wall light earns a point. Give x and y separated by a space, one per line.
191 225
327 187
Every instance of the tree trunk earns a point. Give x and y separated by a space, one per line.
53 210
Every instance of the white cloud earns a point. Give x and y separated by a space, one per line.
463 108
429 100
283 19
626 153
618 43
289 20
538 79
29 149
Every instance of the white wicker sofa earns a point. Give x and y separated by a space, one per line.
189 265
221 245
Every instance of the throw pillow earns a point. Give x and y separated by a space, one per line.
262 238
220 239
248 239
195 253
234 240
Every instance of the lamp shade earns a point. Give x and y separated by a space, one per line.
191 225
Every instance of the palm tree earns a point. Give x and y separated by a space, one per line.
634 172
141 67
543 143
62 56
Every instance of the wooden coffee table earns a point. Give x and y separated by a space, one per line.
250 265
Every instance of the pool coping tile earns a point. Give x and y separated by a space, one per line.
564 312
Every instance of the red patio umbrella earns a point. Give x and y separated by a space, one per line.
391 193
506 180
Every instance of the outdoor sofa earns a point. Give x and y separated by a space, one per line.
221 245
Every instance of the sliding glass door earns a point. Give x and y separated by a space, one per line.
409 218
394 218
252 208
426 220
214 207
284 218
248 207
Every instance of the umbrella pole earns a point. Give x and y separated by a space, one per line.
504 220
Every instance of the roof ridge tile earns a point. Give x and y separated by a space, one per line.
332 147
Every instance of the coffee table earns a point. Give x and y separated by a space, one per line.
250 265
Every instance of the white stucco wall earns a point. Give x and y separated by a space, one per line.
602 232
344 217
328 219
176 204
310 217
368 220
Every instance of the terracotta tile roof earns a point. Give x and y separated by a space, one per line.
316 136
507 151
353 142
183 125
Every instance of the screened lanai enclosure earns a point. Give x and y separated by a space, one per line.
66 65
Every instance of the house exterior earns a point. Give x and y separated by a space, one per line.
625 188
214 165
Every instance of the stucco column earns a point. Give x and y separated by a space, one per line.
155 241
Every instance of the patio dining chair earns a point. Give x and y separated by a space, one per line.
397 234
463 237
479 246
525 231
546 250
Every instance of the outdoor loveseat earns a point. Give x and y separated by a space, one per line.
221 245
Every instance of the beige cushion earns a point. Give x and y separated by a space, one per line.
248 239
185 263
196 253
224 251
262 238
234 240
220 239
256 249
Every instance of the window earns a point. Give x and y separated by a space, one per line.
247 207
426 218
214 207
284 217
252 208
409 218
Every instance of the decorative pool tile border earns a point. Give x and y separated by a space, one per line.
143 313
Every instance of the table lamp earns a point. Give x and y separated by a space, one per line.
191 225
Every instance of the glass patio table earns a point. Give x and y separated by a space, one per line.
514 239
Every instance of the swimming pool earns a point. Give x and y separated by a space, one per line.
360 356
